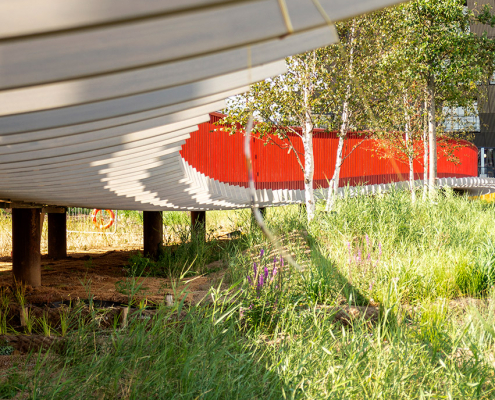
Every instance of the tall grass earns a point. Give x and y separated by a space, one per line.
207 354
430 250
414 260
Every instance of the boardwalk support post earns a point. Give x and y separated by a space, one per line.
57 235
26 255
198 224
153 233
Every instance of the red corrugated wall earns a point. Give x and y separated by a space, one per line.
220 156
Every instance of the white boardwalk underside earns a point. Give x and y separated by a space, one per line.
98 96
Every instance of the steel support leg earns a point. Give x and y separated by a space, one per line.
153 233
198 224
57 235
26 256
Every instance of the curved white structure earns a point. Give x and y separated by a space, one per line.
98 96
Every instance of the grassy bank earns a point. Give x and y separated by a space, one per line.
428 267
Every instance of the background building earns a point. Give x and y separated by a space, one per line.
484 137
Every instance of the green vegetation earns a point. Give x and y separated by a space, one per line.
429 267
177 258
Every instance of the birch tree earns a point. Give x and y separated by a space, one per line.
402 133
348 73
297 98
425 148
440 52
400 121
353 84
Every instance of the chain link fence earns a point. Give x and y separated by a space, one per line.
85 220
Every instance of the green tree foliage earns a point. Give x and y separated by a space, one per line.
318 90
432 48
393 73
296 98
356 84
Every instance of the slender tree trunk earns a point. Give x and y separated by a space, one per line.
333 187
411 178
432 137
309 167
425 161
410 152
425 148
344 127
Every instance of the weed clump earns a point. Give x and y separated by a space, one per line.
264 292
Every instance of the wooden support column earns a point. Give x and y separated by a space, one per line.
26 255
57 235
198 224
153 233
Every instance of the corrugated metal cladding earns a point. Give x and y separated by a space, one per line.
220 156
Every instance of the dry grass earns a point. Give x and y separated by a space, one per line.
128 232
5 234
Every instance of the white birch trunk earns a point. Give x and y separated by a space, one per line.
411 179
410 150
333 187
309 166
432 138
425 155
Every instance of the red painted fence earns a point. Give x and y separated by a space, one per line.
220 156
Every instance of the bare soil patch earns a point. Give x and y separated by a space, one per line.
101 274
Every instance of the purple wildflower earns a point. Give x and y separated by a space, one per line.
255 269
251 307
359 256
261 281
379 253
262 252
369 257
371 286
281 261
249 280
274 272
266 273
367 240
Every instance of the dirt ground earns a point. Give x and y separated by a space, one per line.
100 273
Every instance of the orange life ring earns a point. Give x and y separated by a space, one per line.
101 226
